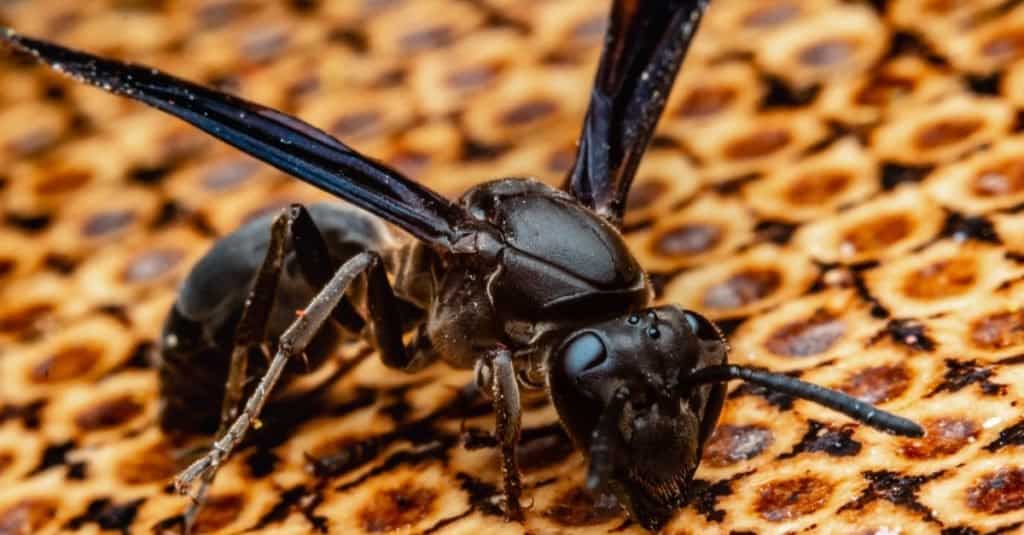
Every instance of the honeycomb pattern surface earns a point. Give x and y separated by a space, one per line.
839 184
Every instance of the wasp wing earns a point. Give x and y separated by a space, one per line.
646 43
278 139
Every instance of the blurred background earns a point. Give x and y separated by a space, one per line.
838 183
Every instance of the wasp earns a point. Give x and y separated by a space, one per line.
532 287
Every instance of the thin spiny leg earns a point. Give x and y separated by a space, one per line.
315 262
293 226
251 330
292 343
252 327
505 397
198 500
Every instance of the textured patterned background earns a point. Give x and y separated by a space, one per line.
838 182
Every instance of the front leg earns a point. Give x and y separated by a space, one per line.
292 343
504 390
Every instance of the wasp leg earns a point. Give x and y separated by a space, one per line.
315 263
292 343
505 397
251 330
252 326
296 228
387 326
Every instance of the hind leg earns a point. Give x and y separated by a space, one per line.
252 326
250 331
292 343
294 225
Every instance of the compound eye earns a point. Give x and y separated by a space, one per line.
692 321
583 353
701 326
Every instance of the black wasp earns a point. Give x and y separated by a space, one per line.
532 286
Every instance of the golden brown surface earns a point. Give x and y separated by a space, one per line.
838 183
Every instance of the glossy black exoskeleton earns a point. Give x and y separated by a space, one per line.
532 286
200 330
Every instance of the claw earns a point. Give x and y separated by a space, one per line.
204 467
192 514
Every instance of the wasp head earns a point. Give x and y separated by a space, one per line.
619 388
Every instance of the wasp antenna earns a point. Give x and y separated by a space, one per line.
837 401
603 443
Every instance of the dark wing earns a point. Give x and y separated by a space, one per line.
281 140
646 43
